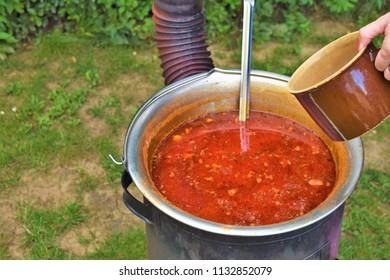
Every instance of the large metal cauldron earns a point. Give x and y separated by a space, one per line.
175 234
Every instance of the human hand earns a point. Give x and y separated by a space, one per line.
370 31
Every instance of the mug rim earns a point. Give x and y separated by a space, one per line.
314 56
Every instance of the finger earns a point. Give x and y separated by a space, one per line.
382 60
387 73
373 29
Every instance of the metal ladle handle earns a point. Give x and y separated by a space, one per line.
246 53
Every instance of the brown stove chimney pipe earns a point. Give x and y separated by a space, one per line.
181 39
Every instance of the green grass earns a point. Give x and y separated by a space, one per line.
86 183
384 129
129 245
67 102
283 60
4 247
3 253
42 226
48 118
42 89
366 223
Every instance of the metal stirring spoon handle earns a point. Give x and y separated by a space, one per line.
246 53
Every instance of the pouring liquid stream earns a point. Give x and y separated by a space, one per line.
246 53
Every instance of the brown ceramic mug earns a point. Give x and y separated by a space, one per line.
341 89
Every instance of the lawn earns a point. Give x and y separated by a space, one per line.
65 104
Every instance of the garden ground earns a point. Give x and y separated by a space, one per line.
65 104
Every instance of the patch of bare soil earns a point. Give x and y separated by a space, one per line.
222 57
2 84
133 89
307 49
327 28
130 89
106 213
103 206
376 153
11 232
259 53
331 28
50 190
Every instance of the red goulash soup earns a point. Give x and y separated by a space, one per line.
268 170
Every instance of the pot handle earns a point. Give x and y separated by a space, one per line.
136 207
